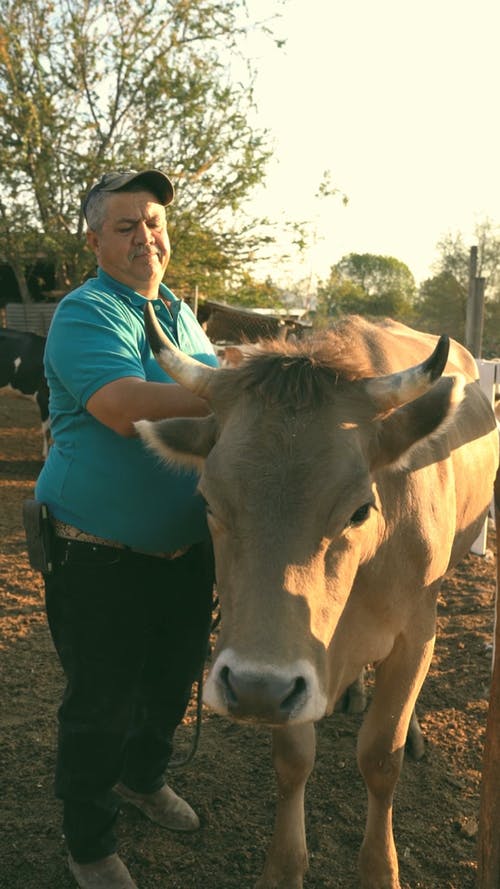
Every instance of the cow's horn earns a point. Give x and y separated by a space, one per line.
191 374
398 388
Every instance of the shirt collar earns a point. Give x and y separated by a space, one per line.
136 299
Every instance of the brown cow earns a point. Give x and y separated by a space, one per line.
343 478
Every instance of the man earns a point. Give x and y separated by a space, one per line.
130 595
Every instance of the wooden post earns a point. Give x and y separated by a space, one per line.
469 313
488 875
474 315
478 317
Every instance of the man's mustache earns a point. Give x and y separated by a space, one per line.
141 251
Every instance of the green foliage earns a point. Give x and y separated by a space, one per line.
256 294
442 303
367 284
210 258
327 189
455 256
89 85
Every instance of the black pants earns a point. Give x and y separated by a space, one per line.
131 633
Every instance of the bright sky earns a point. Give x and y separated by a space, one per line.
400 101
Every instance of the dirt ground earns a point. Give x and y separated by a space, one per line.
230 781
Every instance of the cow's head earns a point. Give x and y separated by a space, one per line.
288 463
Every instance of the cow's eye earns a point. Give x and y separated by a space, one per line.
359 516
205 504
214 522
209 511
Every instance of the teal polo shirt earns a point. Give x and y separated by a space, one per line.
93 478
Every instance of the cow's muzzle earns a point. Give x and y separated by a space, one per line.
264 694
269 699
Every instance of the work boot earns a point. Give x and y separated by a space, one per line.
107 873
163 807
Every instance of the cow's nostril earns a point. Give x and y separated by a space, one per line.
231 697
298 691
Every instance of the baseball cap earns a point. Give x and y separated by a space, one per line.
154 180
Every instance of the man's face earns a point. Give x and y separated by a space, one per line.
132 245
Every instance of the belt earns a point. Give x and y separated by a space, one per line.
69 532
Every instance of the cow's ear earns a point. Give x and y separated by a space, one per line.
184 441
406 427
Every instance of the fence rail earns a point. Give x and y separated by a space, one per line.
33 318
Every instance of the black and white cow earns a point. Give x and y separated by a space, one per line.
21 369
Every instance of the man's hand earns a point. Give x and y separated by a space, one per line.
120 403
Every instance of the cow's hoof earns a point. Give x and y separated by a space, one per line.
376 871
373 883
274 879
285 883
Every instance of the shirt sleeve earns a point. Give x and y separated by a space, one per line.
92 342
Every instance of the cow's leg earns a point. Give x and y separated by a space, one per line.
294 750
353 699
380 754
415 743
42 399
45 438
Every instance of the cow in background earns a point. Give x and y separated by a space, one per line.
344 477
21 369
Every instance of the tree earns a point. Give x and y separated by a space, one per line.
453 266
259 294
455 254
441 305
211 258
89 84
339 296
368 284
